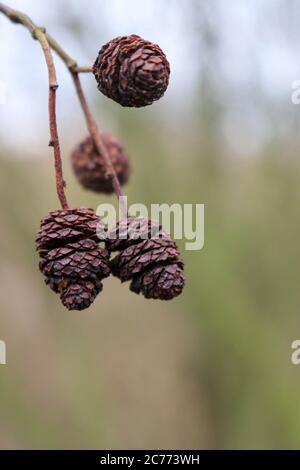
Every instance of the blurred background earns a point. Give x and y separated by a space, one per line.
212 368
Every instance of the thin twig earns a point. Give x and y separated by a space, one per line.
40 34
83 69
48 42
95 134
98 142
66 58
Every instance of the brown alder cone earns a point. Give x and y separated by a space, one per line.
70 258
89 165
131 71
148 257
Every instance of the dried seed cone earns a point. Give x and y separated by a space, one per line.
131 71
149 259
89 165
70 258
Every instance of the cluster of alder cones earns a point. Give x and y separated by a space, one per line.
134 73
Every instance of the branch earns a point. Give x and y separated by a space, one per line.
96 136
48 42
66 58
40 34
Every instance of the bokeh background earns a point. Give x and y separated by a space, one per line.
212 368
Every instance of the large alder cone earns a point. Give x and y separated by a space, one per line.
89 166
70 258
131 71
147 257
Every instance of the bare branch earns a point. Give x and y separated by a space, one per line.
48 42
40 34
96 136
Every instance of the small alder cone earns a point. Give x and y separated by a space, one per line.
131 71
89 165
148 257
70 258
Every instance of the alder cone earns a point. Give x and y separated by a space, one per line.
148 257
89 166
131 71
70 258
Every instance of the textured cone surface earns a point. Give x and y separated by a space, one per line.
70 258
89 165
131 71
148 257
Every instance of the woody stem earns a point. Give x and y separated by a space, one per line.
96 136
40 34
48 42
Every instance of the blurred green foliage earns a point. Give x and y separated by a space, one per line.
210 369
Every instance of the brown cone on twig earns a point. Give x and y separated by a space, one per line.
70 258
131 71
89 166
148 257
